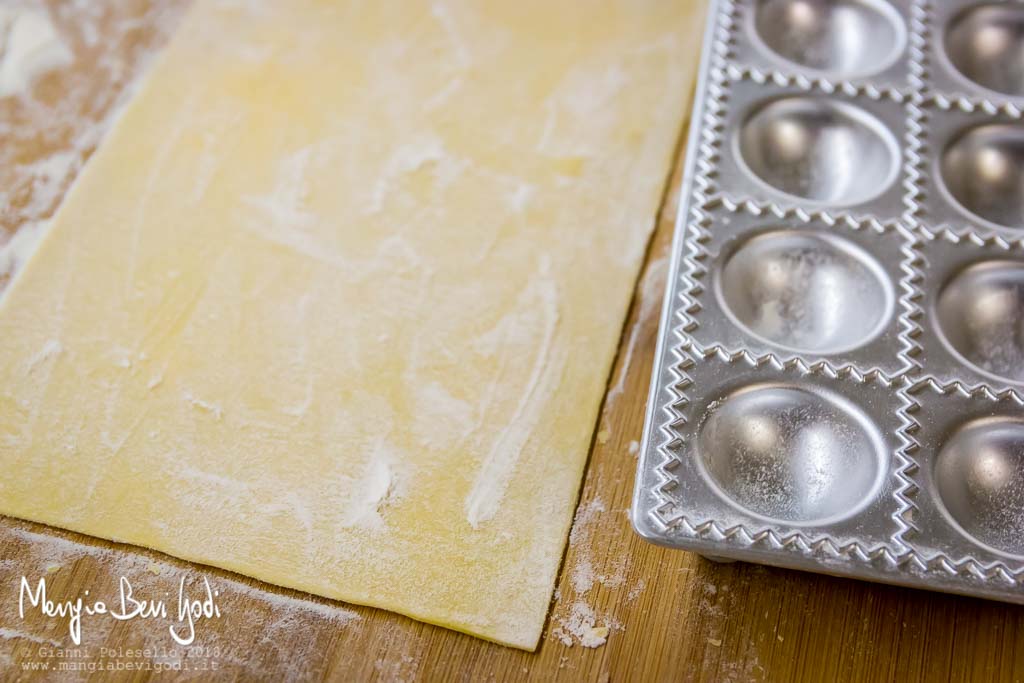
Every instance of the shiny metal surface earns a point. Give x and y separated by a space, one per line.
807 291
980 315
845 38
983 170
985 43
790 454
818 149
979 474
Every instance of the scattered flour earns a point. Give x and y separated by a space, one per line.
12 634
373 490
583 576
595 636
31 47
585 517
397 670
536 315
16 252
582 625
51 349
206 406
636 590
334 614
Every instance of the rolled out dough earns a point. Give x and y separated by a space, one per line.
335 303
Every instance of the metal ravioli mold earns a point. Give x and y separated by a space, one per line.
974 53
839 380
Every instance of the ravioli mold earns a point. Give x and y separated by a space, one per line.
839 378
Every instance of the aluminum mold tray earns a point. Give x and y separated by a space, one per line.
839 378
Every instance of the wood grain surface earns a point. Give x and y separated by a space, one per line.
671 615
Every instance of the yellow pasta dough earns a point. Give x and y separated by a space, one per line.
335 303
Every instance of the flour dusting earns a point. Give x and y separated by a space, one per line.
499 464
51 349
372 491
16 253
31 47
580 624
13 634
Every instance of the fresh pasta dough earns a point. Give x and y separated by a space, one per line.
335 303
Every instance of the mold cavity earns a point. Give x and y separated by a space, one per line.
845 37
806 291
983 169
820 150
791 454
980 315
985 43
979 474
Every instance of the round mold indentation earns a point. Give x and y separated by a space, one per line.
982 169
985 43
819 150
792 454
839 38
805 291
979 313
979 477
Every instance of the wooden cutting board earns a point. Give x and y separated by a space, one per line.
671 615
